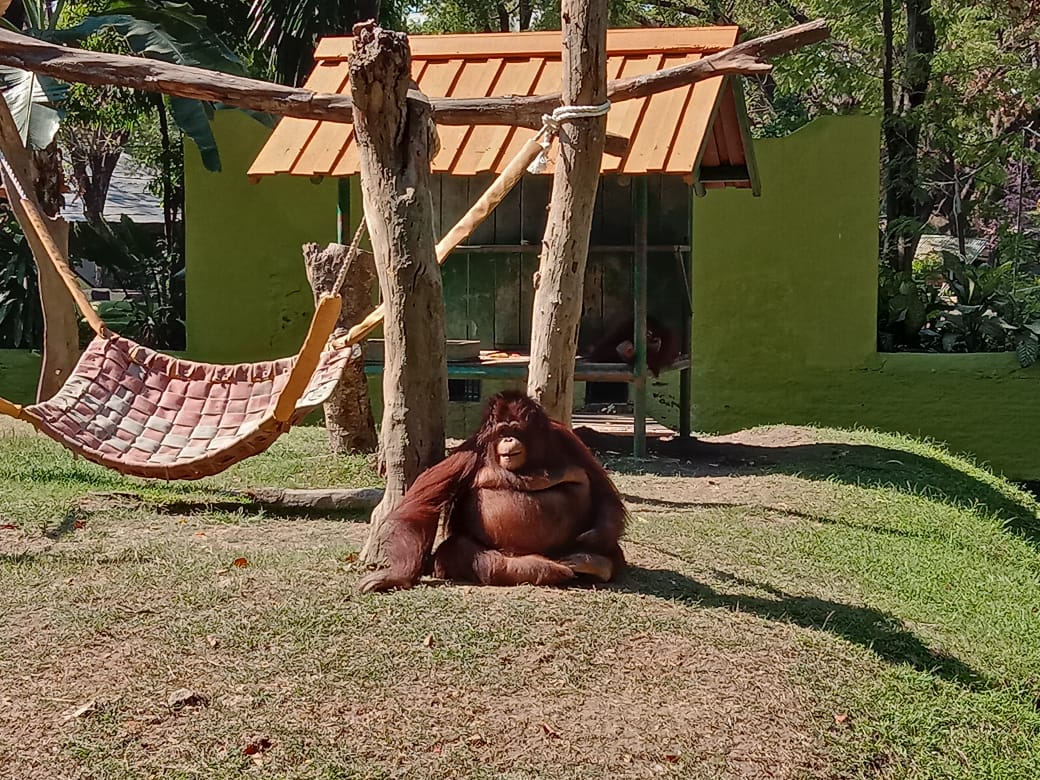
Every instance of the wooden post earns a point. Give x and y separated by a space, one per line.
348 412
560 279
395 139
45 236
639 197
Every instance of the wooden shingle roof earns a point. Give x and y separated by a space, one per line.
693 128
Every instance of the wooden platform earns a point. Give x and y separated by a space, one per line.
619 425
493 364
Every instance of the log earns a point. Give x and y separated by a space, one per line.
560 279
88 67
348 412
396 138
314 500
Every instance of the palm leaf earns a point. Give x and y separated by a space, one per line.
32 100
192 118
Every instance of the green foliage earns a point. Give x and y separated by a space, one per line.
33 100
21 319
961 307
143 265
170 32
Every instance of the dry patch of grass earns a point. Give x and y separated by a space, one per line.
297 676
793 617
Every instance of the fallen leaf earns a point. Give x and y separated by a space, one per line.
428 641
79 524
841 718
9 527
185 697
199 533
476 739
211 640
671 758
241 563
89 708
351 557
257 746
550 731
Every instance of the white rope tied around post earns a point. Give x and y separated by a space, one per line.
552 125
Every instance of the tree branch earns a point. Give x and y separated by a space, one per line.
89 67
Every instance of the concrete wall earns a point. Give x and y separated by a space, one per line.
785 299
247 292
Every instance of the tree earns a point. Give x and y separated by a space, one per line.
395 140
561 274
165 31
288 30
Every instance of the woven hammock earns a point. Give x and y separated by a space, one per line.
146 414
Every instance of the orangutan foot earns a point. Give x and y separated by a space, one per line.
598 566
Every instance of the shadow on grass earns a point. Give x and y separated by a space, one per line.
863 465
661 504
881 633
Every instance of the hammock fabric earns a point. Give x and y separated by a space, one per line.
150 415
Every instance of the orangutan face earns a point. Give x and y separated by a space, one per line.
511 453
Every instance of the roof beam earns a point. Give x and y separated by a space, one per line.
97 68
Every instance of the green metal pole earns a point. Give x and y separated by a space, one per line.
686 375
639 194
343 230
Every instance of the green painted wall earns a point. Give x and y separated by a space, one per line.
247 292
785 306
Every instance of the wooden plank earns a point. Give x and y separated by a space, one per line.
475 80
648 149
730 127
549 80
435 193
669 211
748 145
592 304
455 278
486 146
693 126
291 135
507 300
534 206
454 199
477 186
481 297
624 118
528 268
663 40
617 288
616 197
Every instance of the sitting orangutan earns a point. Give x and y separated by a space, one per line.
527 503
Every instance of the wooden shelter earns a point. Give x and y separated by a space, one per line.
681 141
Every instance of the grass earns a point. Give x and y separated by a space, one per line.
851 606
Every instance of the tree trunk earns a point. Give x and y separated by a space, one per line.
94 154
560 279
348 412
60 325
395 139
904 211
